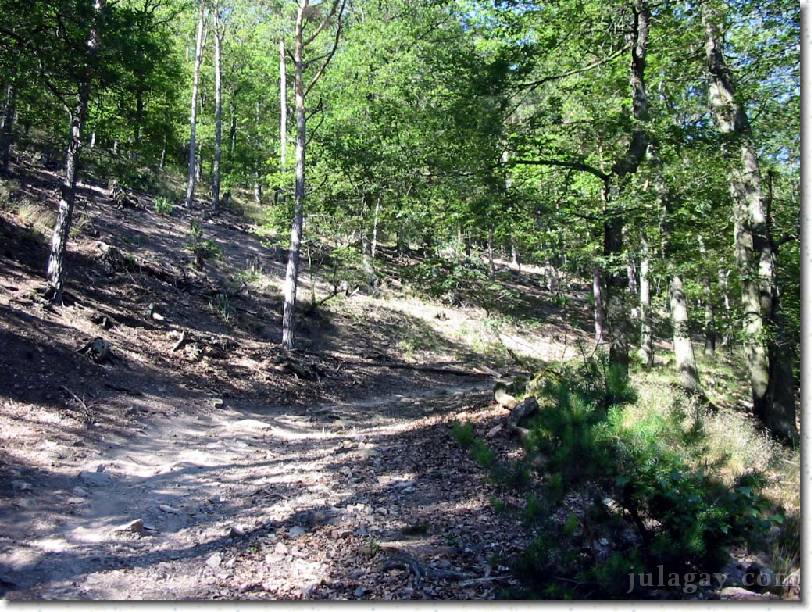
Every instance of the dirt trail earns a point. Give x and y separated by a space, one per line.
259 502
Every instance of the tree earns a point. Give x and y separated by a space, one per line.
300 43
191 176
752 245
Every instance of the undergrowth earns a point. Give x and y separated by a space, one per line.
609 497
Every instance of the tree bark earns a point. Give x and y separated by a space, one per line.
683 349
707 299
752 245
723 287
193 170
292 272
646 337
490 251
59 239
375 216
7 126
617 310
600 307
283 108
218 112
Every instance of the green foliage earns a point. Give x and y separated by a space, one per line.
163 206
642 500
202 248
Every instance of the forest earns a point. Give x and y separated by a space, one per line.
400 300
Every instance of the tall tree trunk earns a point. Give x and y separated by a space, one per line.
617 309
600 306
514 253
707 299
752 244
683 349
232 128
218 112
292 272
646 337
490 251
59 240
162 162
7 126
283 119
283 108
723 287
375 218
685 360
193 171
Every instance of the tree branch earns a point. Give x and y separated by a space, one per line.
332 52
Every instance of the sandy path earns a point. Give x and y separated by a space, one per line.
234 502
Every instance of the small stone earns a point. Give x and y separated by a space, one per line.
235 532
280 549
75 501
136 526
295 532
214 560
733 593
493 431
359 592
167 508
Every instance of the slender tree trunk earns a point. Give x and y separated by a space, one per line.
59 240
139 119
752 244
283 108
707 299
218 112
7 126
192 176
600 306
292 272
162 163
232 128
685 360
375 217
490 251
514 253
646 337
723 287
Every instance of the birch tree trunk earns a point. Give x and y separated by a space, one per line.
646 338
292 272
59 239
375 217
193 170
600 306
218 112
752 245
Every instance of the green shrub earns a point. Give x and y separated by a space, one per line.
202 248
626 497
163 206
